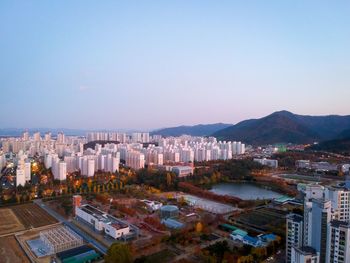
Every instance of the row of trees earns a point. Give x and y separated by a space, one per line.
192 189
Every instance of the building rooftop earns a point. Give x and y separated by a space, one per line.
295 217
283 199
119 225
172 223
103 217
169 208
252 240
269 237
92 210
337 223
239 232
306 250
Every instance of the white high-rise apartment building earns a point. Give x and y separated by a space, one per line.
36 136
321 217
311 192
294 235
90 167
135 160
27 170
47 136
71 162
25 136
20 177
340 198
62 171
102 159
2 161
115 164
61 138
338 242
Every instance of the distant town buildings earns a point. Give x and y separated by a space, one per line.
268 162
322 166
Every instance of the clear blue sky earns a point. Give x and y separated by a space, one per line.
149 64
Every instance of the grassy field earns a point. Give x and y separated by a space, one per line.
267 219
9 222
159 257
32 215
10 251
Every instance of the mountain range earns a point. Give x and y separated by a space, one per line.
278 127
196 130
286 127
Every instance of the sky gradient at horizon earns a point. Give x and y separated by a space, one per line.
152 64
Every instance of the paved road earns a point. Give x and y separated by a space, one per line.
61 219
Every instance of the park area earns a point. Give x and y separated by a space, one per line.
9 222
32 215
10 251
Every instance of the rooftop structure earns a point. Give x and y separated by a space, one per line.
78 255
208 205
60 239
169 211
152 205
172 223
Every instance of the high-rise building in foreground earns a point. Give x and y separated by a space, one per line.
339 242
326 227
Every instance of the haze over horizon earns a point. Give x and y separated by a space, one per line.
135 129
147 65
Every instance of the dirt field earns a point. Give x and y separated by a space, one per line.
10 251
32 215
9 222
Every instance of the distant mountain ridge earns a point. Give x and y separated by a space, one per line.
195 130
286 127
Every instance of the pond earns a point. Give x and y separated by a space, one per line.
245 191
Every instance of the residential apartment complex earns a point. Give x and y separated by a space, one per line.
322 234
66 154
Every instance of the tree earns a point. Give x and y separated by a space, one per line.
246 259
168 179
199 227
118 253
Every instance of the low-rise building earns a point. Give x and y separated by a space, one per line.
182 171
268 162
102 222
152 205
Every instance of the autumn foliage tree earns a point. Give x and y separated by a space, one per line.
118 253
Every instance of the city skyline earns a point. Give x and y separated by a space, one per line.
121 65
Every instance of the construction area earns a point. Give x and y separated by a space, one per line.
54 240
